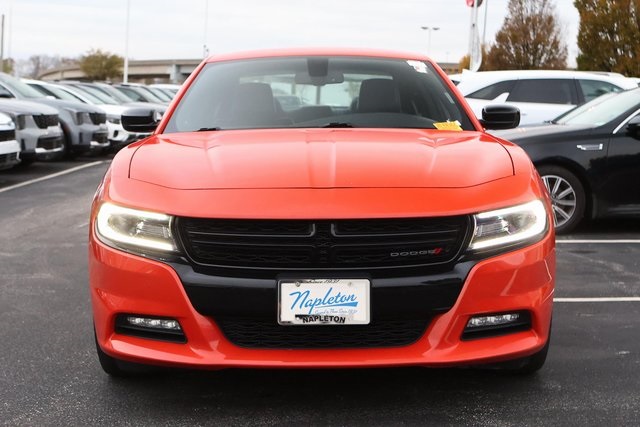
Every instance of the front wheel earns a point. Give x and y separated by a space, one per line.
119 368
567 197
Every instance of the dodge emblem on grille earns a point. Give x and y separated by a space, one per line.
436 251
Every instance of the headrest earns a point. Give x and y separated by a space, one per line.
379 96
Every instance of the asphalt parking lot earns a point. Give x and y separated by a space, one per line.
51 376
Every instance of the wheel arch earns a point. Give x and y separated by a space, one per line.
580 173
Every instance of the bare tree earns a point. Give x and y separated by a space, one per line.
38 64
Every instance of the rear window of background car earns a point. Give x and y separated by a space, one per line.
493 91
545 91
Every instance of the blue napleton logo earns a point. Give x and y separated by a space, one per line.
302 300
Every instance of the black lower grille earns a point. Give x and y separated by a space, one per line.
253 333
8 158
323 244
100 137
50 142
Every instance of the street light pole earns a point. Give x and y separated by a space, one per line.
429 29
125 77
205 48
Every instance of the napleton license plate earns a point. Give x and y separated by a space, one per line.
324 302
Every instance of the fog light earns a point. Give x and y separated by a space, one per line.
494 320
156 328
145 322
491 325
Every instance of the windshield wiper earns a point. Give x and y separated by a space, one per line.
207 129
338 125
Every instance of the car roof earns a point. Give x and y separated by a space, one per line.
470 82
272 53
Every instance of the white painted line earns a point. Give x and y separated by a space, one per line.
579 241
603 299
53 175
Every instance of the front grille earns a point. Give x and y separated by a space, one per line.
98 118
323 244
8 158
7 135
253 333
50 142
43 121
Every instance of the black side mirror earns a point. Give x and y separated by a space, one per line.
140 120
500 117
633 127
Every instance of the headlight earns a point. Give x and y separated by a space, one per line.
509 226
19 120
114 119
81 117
134 230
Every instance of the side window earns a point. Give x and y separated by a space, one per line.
4 93
545 91
493 91
592 88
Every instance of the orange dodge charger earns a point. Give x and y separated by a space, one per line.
321 208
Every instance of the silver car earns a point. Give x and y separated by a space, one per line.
37 129
84 125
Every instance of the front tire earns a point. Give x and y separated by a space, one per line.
119 368
567 197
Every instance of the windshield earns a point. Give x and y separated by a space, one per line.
159 94
602 109
20 89
110 91
95 95
318 92
64 93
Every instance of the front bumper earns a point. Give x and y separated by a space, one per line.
521 280
9 154
90 137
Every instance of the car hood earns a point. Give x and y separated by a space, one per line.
320 158
16 106
542 131
70 105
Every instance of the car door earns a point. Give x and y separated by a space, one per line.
540 100
621 183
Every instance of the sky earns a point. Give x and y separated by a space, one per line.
168 29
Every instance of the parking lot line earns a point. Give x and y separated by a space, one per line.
599 299
579 241
53 175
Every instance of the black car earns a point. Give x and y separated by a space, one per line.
589 158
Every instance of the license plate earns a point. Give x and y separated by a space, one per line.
324 302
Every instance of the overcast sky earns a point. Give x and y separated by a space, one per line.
163 29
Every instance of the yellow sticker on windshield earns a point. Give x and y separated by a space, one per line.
455 125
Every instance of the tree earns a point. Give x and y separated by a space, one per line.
99 65
530 39
8 65
609 36
38 64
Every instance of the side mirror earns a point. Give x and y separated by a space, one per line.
500 117
140 120
633 127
